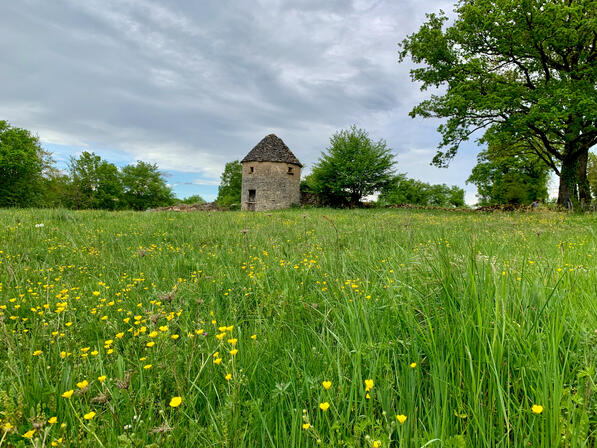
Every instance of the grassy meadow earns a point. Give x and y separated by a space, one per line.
298 328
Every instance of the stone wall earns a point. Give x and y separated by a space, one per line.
274 187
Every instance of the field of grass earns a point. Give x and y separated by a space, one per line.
366 328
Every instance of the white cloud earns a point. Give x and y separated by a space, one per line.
193 85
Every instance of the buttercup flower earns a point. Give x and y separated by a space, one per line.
29 434
175 402
68 393
324 406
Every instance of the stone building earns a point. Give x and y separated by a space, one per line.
271 176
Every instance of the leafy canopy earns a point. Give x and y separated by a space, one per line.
96 183
509 177
192 200
144 187
522 70
230 188
22 164
410 191
353 166
592 173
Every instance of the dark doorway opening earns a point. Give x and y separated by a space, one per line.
251 201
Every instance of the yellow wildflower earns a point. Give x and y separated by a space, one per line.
537 408
401 418
368 385
102 378
326 384
89 415
82 384
68 393
29 434
306 425
175 402
53 420
324 406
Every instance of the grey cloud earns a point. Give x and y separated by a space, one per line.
192 85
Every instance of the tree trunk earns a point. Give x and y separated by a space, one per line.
584 189
355 199
568 181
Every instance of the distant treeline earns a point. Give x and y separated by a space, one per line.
29 178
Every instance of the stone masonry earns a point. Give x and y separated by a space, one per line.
271 176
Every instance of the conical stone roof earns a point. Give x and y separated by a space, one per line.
271 149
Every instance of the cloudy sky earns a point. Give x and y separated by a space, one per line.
191 85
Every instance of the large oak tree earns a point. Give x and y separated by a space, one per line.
523 71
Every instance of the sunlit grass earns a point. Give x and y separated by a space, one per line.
297 328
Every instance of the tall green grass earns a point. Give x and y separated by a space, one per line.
463 321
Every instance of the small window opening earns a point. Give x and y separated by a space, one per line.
251 170
251 195
290 170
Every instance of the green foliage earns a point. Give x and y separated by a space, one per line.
230 185
354 166
509 177
522 70
57 191
592 173
28 178
192 200
410 191
144 187
96 183
22 162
